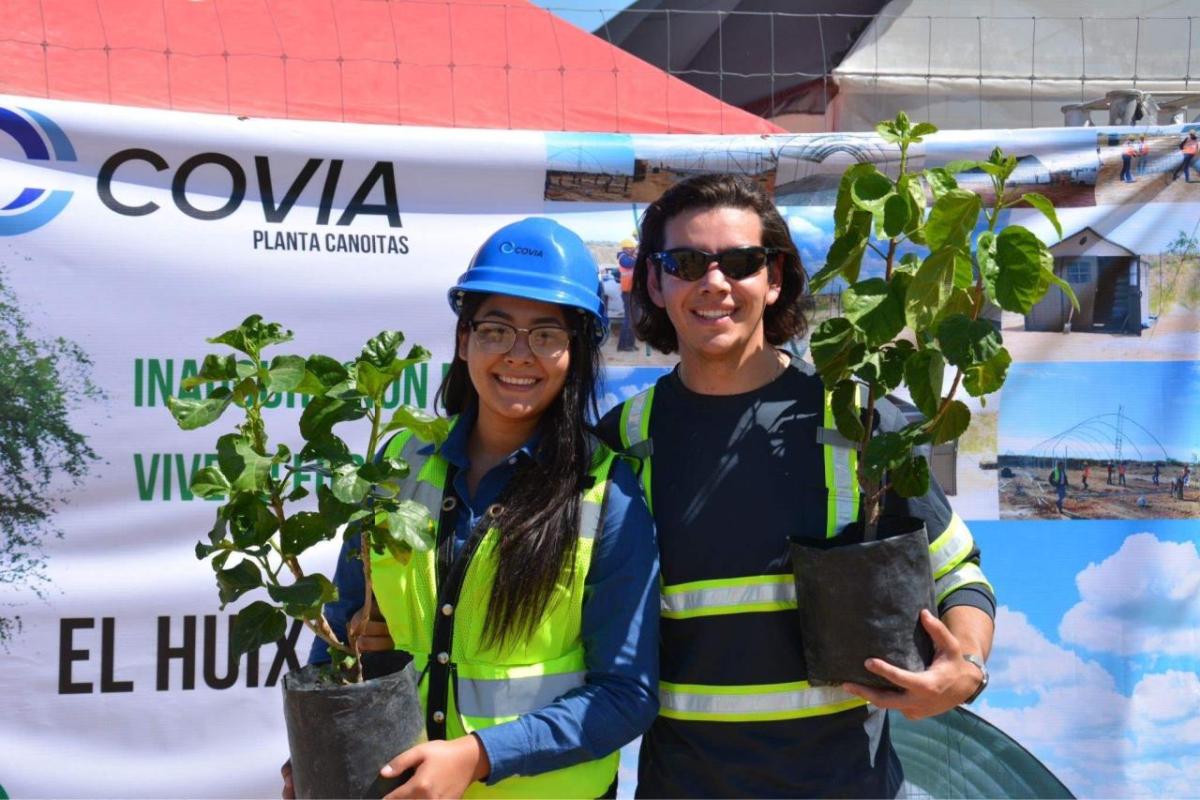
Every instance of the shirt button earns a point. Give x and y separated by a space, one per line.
443 658
439 717
447 610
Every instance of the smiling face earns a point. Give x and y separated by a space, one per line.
715 318
514 387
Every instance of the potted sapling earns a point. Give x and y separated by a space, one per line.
348 718
917 326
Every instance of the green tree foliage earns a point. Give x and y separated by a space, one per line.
257 536
41 455
920 323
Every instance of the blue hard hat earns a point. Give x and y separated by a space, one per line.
536 259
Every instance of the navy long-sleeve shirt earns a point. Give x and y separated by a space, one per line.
619 698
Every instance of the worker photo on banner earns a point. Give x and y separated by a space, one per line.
1100 440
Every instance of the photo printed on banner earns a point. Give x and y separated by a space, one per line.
1100 440
1094 666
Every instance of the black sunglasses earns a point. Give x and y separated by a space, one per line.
690 264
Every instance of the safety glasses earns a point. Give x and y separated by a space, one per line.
497 338
689 264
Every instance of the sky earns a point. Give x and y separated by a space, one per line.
1094 667
1043 400
586 14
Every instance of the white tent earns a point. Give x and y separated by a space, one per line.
1014 63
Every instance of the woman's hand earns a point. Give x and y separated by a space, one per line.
289 791
441 768
370 636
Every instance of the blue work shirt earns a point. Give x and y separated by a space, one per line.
619 698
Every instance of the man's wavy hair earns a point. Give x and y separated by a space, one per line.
783 320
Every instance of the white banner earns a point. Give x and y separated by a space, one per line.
133 235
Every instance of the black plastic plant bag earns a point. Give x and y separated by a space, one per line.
860 600
340 736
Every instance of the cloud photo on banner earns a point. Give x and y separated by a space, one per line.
1094 667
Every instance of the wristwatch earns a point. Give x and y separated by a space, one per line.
971 658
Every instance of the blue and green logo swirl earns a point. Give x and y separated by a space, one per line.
40 139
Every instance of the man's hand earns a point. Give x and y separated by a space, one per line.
947 682
443 768
370 635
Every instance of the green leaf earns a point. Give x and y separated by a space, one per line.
253 335
964 269
214 369
952 219
1020 260
323 413
952 424
381 350
895 215
885 451
843 211
844 258
285 373
302 530
299 493
909 187
402 529
923 374
922 129
250 520
909 264
391 469
845 411
910 478
321 373
960 166
987 376
1043 204
888 132
930 289
874 308
371 380
425 427
246 469
871 190
348 486
306 597
192 414
965 341
940 181
1050 277
237 580
891 371
203 550
328 448
255 625
332 509
959 302
208 483
836 350
246 389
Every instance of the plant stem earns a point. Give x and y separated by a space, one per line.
891 255
871 510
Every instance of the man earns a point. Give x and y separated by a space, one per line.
1058 479
625 261
732 468
1189 146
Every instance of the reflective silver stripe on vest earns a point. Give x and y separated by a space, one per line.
590 518
684 702
633 424
728 596
423 492
845 482
510 697
951 547
967 573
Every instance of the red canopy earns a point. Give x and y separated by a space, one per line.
480 64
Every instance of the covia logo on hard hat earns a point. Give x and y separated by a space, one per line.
40 139
508 248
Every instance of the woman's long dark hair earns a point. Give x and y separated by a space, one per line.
540 517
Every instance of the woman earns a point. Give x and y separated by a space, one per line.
538 639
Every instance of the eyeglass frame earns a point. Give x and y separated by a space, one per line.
473 324
658 259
